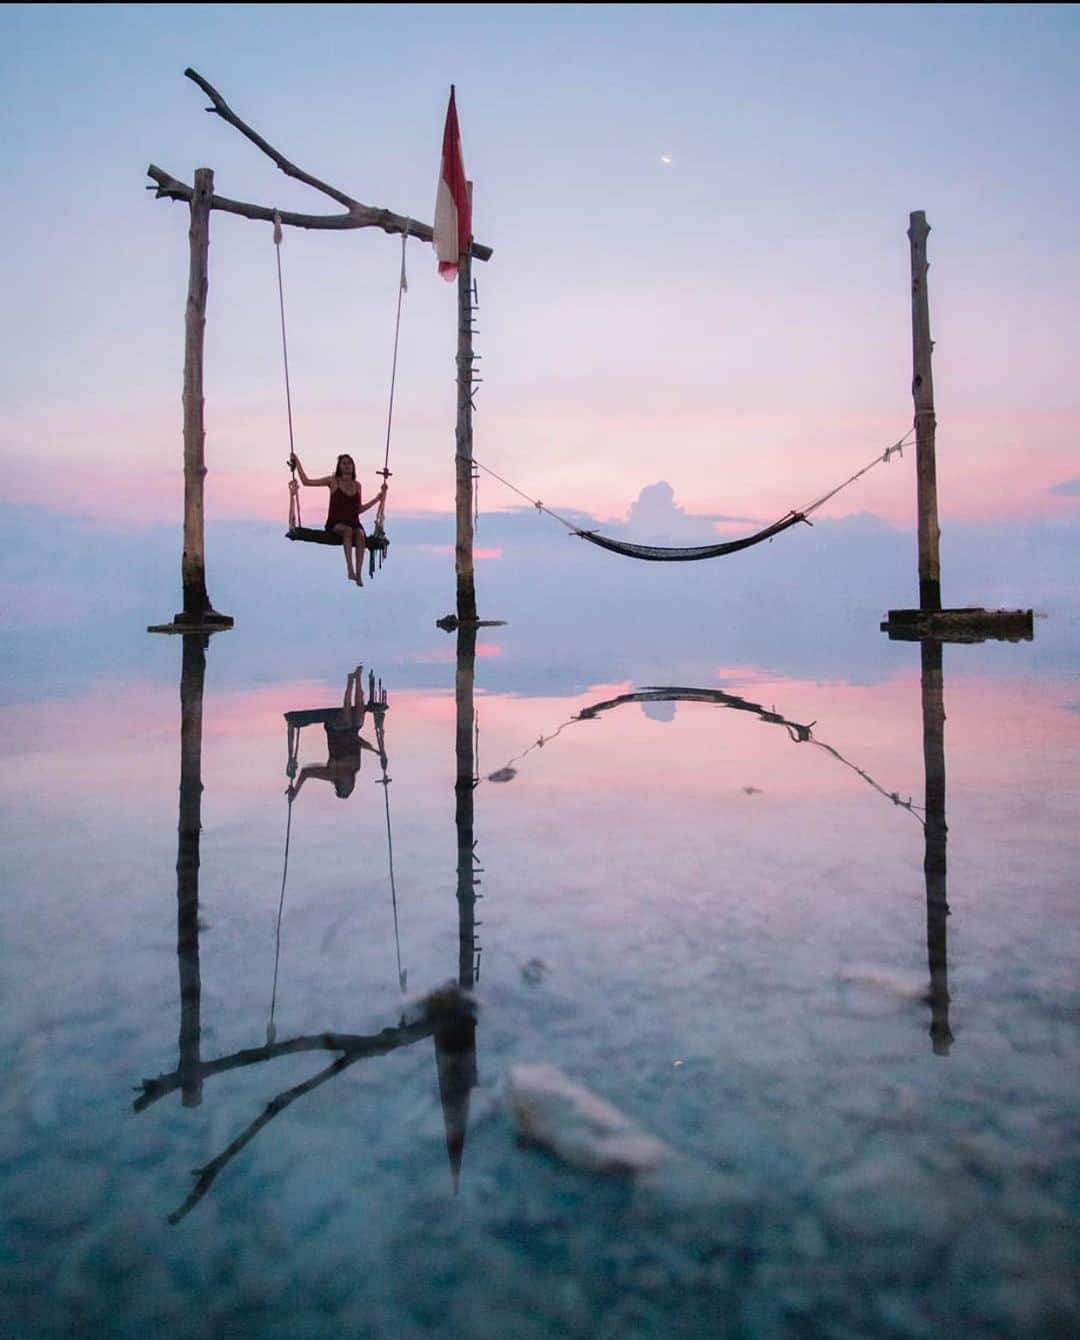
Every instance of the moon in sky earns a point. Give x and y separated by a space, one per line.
665 159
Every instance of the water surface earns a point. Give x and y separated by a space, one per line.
815 931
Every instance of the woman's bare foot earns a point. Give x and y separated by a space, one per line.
358 580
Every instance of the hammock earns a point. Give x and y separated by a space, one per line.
659 554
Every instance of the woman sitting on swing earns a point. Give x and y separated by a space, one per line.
345 510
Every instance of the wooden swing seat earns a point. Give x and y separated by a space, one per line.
310 535
312 716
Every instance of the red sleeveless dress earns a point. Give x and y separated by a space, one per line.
344 511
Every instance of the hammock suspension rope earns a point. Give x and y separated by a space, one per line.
676 554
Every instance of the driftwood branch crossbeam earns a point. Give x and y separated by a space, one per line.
357 215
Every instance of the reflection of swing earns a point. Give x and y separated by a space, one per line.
378 706
797 733
377 542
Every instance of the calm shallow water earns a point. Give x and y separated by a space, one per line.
708 917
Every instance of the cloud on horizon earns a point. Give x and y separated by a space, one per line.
1068 488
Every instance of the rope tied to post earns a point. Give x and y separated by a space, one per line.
294 488
674 554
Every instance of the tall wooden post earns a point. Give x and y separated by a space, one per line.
463 550
922 390
197 608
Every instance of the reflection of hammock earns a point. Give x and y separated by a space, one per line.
798 734
652 553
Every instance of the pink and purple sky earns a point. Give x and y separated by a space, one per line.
699 218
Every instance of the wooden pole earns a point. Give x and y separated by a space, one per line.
922 390
463 551
197 608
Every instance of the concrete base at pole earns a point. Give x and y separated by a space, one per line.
210 621
450 622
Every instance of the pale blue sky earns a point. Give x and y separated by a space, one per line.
732 318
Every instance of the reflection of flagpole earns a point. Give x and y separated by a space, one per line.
455 1035
934 865
192 681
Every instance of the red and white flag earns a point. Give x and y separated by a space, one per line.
453 214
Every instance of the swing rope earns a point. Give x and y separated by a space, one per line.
294 488
295 522
659 554
403 288
271 1031
384 782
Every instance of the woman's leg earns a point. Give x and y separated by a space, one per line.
358 536
347 544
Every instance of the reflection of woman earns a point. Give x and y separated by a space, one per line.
344 747
343 515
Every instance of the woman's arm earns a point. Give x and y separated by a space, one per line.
366 507
294 463
320 774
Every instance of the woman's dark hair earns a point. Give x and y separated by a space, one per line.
343 786
344 457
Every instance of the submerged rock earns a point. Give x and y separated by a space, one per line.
586 1132
579 1127
886 982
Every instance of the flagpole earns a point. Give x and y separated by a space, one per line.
463 552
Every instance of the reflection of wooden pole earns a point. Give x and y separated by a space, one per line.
934 866
192 679
464 794
463 552
922 390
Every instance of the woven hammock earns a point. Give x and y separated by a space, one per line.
659 554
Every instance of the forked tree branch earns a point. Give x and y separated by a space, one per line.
222 109
357 215
353 1045
205 1176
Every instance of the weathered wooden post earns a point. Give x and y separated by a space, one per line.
922 391
967 624
463 549
197 607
